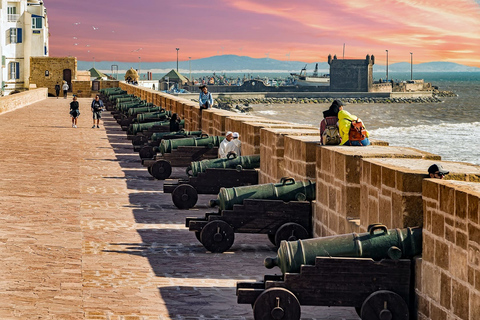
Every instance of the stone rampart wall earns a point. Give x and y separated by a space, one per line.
357 186
22 99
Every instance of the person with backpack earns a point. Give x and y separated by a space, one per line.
351 128
97 108
205 98
329 133
57 90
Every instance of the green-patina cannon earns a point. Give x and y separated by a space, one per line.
148 149
287 190
135 128
158 136
166 146
378 243
371 272
231 162
134 111
151 116
282 211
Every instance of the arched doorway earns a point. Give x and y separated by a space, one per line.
67 76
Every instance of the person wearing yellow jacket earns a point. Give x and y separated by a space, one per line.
344 122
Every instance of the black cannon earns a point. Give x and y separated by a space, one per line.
276 214
371 272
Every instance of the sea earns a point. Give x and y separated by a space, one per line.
450 128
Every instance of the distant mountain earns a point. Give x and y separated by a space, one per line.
234 63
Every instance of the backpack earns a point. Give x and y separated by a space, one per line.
357 130
331 135
329 132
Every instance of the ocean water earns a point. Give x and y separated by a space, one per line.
450 129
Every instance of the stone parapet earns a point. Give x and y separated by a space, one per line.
300 156
391 189
448 274
22 99
272 148
339 193
82 89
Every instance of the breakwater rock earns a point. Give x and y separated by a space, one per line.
444 93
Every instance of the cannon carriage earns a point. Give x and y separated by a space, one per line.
282 211
372 272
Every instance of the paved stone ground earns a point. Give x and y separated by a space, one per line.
86 233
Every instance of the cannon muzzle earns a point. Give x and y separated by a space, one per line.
166 146
231 162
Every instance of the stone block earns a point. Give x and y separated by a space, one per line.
472 208
474 305
428 248
442 255
460 299
458 263
474 233
431 281
437 313
430 189
438 224
447 199
388 177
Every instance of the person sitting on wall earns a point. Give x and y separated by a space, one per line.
436 171
345 122
205 98
330 119
222 153
234 146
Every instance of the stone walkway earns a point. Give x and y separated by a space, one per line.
87 233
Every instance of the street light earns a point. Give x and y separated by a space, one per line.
387 64
177 57
139 63
411 65
190 66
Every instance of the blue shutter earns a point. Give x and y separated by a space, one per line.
17 69
19 35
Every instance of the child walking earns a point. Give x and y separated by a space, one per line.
74 111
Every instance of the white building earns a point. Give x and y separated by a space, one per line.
23 34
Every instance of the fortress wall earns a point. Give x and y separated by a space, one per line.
272 149
22 99
340 194
448 274
358 186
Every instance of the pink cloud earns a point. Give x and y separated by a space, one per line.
309 30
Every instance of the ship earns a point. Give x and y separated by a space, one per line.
314 80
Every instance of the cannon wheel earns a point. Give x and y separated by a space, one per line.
161 170
384 305
217 236
139 140
276 303
184 196
146 152
271 237
290 231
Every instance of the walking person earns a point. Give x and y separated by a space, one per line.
74 111
65 89
57 90
97 108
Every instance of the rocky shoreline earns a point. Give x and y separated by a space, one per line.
243 105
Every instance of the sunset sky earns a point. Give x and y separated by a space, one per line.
303 30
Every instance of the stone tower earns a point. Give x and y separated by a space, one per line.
351 75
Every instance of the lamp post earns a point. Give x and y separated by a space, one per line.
387 64
177 57
139 63
190 67
411 65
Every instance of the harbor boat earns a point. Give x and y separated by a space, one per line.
314 80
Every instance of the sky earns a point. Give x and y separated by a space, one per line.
296 30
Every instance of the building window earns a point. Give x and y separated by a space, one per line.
37 22
12 15
15 35
13 70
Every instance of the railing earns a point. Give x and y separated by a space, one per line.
12 17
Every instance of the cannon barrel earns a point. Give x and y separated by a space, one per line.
287 190
378 243
166 146
231 162
159 135
134 128
159 116
135 111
